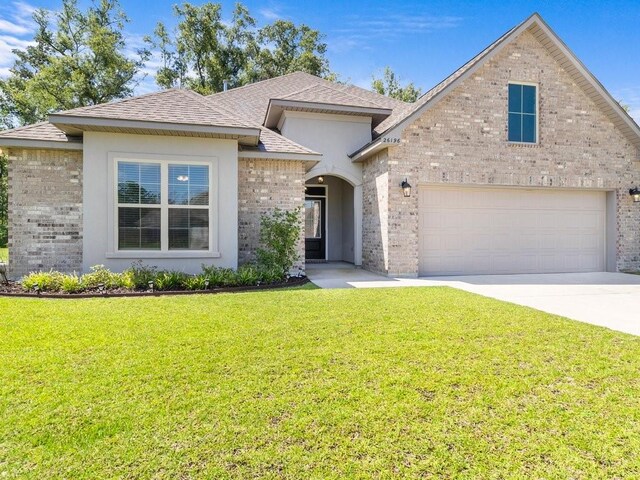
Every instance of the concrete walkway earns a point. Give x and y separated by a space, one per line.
607 299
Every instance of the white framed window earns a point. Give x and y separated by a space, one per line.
163 206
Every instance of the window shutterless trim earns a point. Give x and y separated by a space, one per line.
537 112
164 161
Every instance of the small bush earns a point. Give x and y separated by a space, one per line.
101 275
247 275
139 275
196 282
71 284
279 236
45 281
169 280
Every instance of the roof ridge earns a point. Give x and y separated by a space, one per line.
204 102
270 80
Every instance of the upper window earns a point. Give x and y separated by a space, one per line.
163 206
523 124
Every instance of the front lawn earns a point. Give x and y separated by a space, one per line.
380 383
4 254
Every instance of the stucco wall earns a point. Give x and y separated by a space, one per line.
462 140
262 186
45 211
98 193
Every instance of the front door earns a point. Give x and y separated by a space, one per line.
314 228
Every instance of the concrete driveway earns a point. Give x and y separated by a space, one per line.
607 299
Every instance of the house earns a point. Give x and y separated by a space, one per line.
519 162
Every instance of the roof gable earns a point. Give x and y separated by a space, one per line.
543 33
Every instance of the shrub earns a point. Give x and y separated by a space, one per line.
169 280
220 277
195 282
71 284
279 236
101 275
46 281
247 275
270 275
139 275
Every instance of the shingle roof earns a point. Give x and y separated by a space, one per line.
272 142
251 101
168 106
43 131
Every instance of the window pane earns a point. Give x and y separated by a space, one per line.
515 127
128 192
199 175
199 195
528 128
188 185
312 221
179 194
188 229
138 183
515 98
528 99
138 228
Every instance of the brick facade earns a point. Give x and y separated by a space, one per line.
375 215
262 186
45 211
462 140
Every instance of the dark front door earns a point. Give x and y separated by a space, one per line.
314 228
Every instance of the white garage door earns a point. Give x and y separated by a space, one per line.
467 231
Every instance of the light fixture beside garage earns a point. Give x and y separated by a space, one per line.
635 193
406 188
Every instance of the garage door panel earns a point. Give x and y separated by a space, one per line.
493 230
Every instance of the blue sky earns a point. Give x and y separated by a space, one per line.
422 41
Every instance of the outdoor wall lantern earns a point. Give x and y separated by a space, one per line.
321 179
406 188
635 193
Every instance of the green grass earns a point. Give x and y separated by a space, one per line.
380 383
4 254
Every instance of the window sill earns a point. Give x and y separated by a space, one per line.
139 254
523 144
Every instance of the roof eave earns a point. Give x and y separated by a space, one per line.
74 125
277 106
8 142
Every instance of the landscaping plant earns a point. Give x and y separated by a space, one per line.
279 235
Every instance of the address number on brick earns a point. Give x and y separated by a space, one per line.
390 140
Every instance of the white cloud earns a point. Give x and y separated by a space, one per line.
270 13
16 31
361 32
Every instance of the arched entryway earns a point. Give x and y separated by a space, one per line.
330 220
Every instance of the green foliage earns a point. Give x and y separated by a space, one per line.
102 276
279 237
247 275
45 281
195 282
170 280
140 275
389 85
71 283
205 50
4 201
77 60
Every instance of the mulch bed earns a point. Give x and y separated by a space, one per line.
14 289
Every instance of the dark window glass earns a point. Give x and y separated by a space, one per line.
188 229
138 228
522 121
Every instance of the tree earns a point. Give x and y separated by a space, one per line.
389 85
287 48
213 51
77 61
